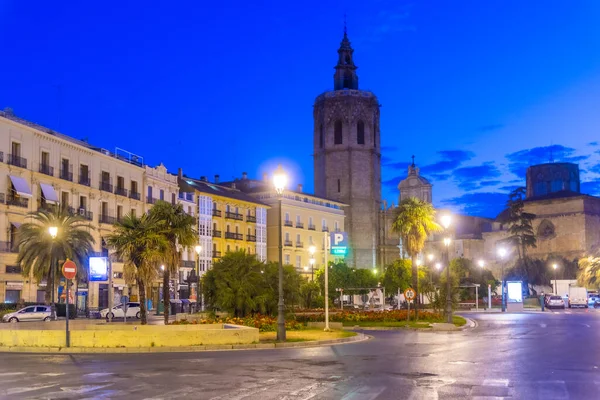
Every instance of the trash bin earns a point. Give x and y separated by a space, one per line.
175 306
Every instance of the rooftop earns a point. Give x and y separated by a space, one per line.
186 183
118 153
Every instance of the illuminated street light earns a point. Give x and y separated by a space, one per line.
555 266
481 263
162 267
53 231
502 253
438 266
446 221
198 249
430 257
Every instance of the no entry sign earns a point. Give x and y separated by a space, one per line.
409 294
69 269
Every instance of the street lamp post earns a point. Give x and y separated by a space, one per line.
502 253
446 221
554 266
53 231
198 250
280 182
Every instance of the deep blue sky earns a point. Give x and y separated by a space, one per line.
477 90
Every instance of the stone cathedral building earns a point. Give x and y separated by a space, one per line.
347 156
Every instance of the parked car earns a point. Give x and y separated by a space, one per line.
31 313
594 301
555 302
133 310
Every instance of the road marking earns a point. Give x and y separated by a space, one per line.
11 373
552 390
84 388
18 390
364 393
496 382
99 374
53 374
586 325
543 325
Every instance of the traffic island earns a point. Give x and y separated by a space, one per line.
133 337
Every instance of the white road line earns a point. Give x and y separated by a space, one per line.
496 382
13 391
53 374
11 373
83 389
552 390
99 374
364 393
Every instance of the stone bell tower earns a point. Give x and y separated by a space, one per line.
347 156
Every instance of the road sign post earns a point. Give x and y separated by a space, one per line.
409 294
69 271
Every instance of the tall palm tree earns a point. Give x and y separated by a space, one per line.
414 222
139 243
39 253
177 227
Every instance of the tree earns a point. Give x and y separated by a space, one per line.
242 285
589 270
141 246
414 222
309 294
177 227
38 252
520 223
397 276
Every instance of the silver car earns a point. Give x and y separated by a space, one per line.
31 313
556 302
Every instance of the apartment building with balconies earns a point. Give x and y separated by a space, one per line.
40 168
306 221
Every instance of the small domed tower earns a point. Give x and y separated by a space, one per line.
347 156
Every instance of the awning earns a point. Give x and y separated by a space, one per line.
49 193
21 186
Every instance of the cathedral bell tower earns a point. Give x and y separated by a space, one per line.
347 156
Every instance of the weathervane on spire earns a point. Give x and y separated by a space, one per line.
413 161
345 30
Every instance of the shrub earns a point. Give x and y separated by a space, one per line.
264 323
372 316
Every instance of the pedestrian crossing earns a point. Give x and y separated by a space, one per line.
94 385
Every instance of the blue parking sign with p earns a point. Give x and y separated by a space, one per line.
339 243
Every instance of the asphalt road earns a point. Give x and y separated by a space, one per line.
552 355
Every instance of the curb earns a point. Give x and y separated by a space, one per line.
183 349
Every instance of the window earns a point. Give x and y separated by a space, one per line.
64 199
321 139
119 212
83 202
298 219
310 240
104 208
360 132
149 192
173 198
337 132
323 223
45 158
228 248
237 229
310 221
339 185
162 194
286 259
298 240
133 212
12 296
120 182
16 149
298 262
228 228
84 174
134 187
287 217
287 236
336 226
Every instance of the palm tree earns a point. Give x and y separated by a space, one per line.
589 270
414 222
177 227
139 243
39 253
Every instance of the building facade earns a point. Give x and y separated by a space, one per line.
306 221
228 220
347 156
44 169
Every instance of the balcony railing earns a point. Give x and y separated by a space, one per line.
17 161
188 264
288 243
216 213
232 215
85 180
251 238
216 233
106 186
82 212
134 195
216 254
288 223
66 175
46 169
311 227
250 218
22 202
121 191
7 247
13 269
325 229
107 219
234 236
299 245
299 225
151 200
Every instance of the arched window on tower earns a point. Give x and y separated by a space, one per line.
360 132
321 139
337 132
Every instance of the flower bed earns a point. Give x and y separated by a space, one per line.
264 323
372 316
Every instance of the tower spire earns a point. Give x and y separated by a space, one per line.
345 71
